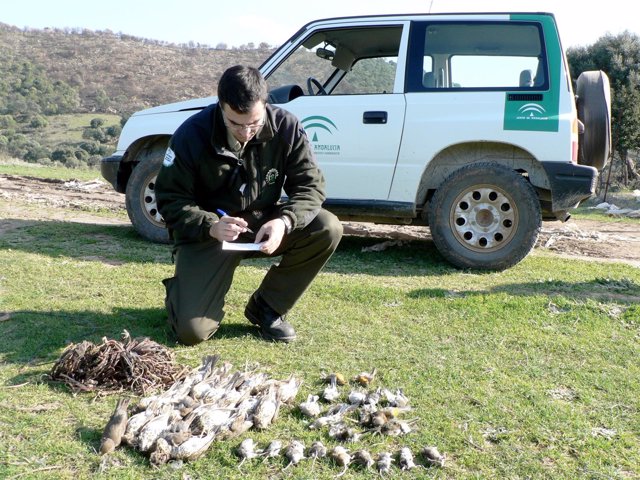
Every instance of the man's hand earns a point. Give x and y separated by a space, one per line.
228 228
274 231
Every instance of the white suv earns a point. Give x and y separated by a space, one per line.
464 122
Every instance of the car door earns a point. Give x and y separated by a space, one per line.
345 86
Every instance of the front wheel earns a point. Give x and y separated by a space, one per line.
141 197
485 216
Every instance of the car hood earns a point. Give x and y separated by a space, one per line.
194 104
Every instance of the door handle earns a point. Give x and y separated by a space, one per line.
374 117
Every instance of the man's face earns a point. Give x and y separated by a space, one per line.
244 126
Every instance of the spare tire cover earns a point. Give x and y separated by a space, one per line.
594 111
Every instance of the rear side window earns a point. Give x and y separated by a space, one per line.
477 56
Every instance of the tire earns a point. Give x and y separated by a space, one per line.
485 216
594 111
141 198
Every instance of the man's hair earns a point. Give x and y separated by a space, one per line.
241 88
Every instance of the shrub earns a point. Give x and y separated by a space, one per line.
93 148
97 134
38 121
96 123
114 131
7 121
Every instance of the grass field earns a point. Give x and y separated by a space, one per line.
19 167
69 128
528 373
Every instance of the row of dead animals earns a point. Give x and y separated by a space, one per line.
210 403
214 403
295 453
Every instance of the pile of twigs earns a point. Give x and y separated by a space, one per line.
139 365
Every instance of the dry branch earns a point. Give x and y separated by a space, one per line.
140 365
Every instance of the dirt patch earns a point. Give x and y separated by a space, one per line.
29 198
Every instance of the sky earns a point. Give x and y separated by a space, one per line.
235 23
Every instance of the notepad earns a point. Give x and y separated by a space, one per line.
245 247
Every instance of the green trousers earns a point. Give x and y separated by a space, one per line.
204 272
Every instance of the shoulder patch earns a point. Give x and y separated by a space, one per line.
169 157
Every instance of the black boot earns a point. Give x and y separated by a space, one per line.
272 325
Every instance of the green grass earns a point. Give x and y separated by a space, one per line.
18 167
69 128
511 374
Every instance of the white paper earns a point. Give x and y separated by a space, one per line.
245 247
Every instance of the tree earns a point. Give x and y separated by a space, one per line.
619 57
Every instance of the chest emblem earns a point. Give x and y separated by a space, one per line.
272 176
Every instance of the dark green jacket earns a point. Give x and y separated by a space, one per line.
200 175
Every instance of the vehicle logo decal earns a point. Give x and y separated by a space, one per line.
532 110
540 115
319 127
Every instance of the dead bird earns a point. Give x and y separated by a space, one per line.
115 428
246 450
372 398
334 415
209 417
135 424
154 428
317 450
342 457
395 399
356 397
176 438
238 424
366 378
272 450
433 456
339 378
186 405
363 458
343 433
287 390
310 408
405 459
400 400
378 419
396 428
161 453
266 411
330 392
383 463
248 405
146 402
294 453
395 412
193 448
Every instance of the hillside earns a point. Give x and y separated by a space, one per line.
114 73
50 80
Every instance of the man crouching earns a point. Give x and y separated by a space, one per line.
221 180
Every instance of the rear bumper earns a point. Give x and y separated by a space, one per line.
109 169
570 184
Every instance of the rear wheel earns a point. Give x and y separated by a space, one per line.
141 197
485 216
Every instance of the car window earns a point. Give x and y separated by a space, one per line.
343 61
369 75
465 55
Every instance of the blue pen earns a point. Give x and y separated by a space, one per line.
225 214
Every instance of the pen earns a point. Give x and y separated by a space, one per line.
225 214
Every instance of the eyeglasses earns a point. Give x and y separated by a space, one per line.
243 126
